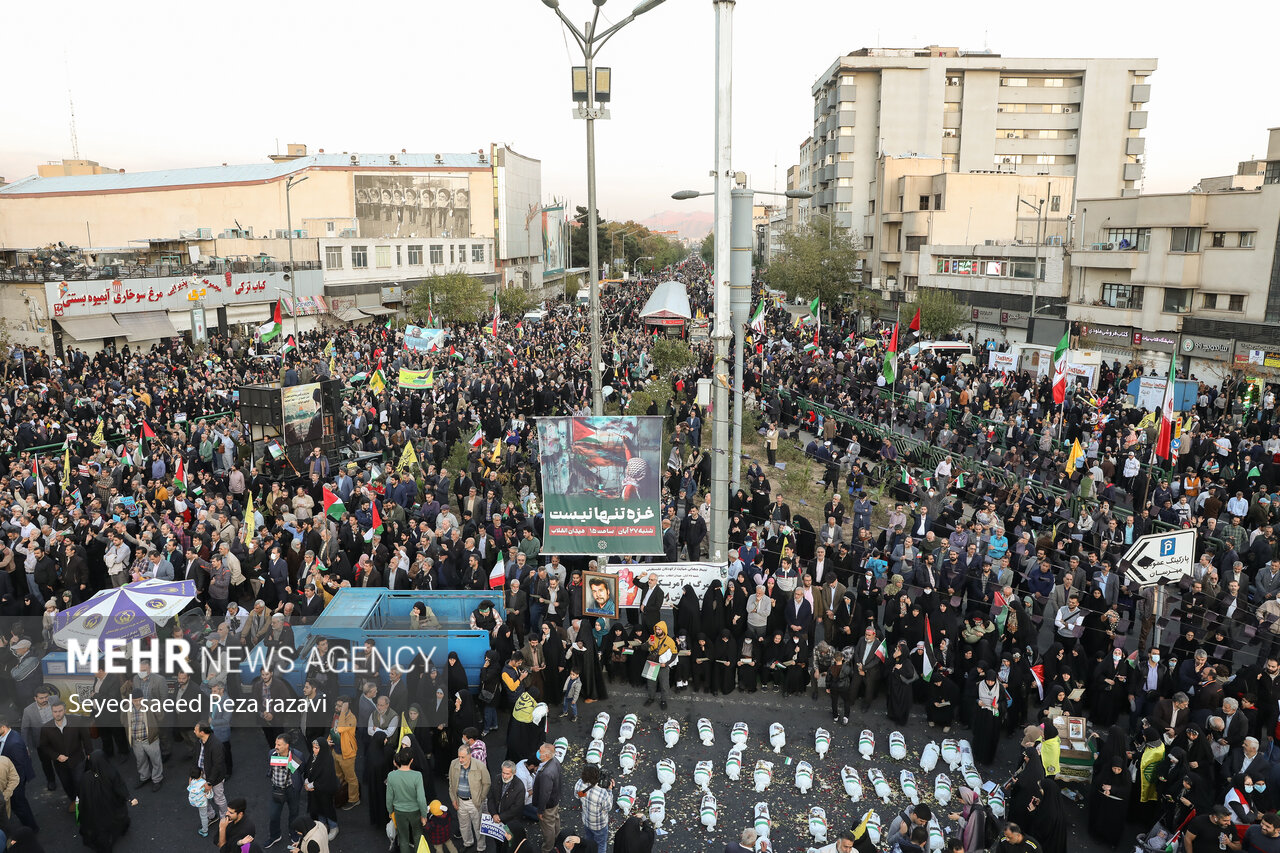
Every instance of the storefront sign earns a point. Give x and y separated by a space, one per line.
1005 361
121 296
392 293
338 304
1098 334
1155 341
987 316
1214 349
1014 319
1257 355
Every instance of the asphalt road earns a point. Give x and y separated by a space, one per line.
163 820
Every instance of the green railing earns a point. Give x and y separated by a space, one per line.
114 438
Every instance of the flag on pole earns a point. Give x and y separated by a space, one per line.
497 312
270 330
478 438
1060 369
1076 454
333 505
288 346
757 319
98 438
375 527
1166 413
926 669
815 307
407 459
882 651
328 348
1037 675
147 431
890 368
250 523
907 479
66 467
915 322
377 382
179 476
497 576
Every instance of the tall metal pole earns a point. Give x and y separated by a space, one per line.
593 250
721 333
293 273
739 312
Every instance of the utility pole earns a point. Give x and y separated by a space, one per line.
739 311
293 274
721 333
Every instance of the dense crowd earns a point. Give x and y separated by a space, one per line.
978 584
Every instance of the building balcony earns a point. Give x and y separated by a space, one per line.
1121 259
845 118
1039 121
1140 93
1137 119
1006 145
1040 94
1105 314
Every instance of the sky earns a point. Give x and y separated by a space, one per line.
160 85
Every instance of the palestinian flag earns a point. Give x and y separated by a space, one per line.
358 378
180 476
1037 675
1167 414
375 528
926 669
1133 659
453 353
1060 369
998 382
960 480
333 505
890 368
147 431
289 346
757 319
915 323
882 651
1001 608
270 330
478 439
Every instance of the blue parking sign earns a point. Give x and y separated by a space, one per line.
1167 546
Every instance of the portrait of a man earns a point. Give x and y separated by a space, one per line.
600 595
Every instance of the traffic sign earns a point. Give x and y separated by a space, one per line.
1160 556
1175 443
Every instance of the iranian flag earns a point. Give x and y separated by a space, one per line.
496 313
815 307
907 479
497 576
270 330
333 505
890 368
882 651
1060 369
375 527
757 319
1166 414
478 439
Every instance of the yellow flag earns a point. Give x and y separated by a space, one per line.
409 458
377 384
98 438
66 467
1148 421
249 525
1077 452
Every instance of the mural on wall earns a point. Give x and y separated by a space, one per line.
413 205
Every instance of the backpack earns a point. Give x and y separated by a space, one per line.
220 583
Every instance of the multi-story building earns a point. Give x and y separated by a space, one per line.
996 240
1194 273
977 112
384 217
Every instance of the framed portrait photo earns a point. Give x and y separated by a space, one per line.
600 595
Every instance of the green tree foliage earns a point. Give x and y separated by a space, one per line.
709 249
940 313
670 355
453 298
816 260
514 302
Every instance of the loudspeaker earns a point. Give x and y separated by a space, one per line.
331 397
260 406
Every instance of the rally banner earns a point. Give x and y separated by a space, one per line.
417 378
601 485
671 577
422 339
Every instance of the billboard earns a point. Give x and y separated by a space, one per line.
601 485
413 205
301 405
553 239
671 577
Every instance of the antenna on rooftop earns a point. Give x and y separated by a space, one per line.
75 142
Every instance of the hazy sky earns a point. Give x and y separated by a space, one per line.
160 85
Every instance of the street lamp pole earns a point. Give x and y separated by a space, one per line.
589 92
722 334
293 274
636 263
1035 277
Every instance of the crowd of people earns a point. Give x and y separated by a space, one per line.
978 585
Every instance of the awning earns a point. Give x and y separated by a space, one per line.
351 315
91 328
376 310
668 301
147 325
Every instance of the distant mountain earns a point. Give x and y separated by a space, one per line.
691 225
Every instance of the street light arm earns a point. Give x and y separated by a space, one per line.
577 34
598 41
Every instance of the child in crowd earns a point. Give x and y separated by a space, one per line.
198 794
572 689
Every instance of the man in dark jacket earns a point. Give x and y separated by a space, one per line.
651 597
693 532
210 758
546 796
66 744
506 801
14 748
268 689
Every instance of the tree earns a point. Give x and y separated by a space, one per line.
579 245
453 298
670 355
940 313
709 249
815 261
514 302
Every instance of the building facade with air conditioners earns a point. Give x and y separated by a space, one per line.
977 112
472 205
1194 275
996 241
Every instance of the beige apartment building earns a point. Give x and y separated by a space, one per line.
977 112
1195 274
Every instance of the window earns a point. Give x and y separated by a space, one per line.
359 257
399 262
415 255
1235 302
1055 203
901 206
1045 159
872 205
846 130
1125 296
1138 239
937 201
1053 82
382 256
953 80
333 257
846 79
477 253
328 228
1246 239
1184 240
844 157
453 254
1272 175
924 202
1209 301
1013 81
844 182
845 106
951 107
868 243
1176 300
1219 239
950 133
1008 159
437 254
